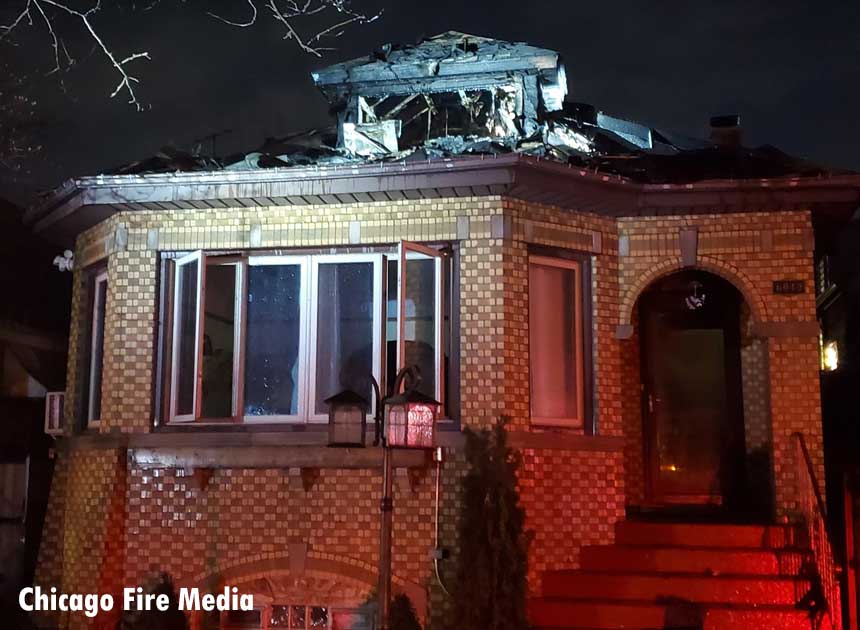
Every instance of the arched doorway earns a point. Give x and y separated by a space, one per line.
692 400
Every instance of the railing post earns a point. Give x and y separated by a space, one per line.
814 515
851 551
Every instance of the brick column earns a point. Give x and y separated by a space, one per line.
795 407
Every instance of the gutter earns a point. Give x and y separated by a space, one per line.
326 182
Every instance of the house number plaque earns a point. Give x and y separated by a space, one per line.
788 287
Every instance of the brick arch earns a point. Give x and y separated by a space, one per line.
346 569
712 265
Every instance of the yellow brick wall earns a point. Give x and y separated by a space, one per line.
244 519
751 251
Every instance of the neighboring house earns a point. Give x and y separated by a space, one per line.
640 306
838 302
34 320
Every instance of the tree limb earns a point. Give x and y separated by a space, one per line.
297 16
126 80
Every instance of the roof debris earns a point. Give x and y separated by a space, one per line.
456 94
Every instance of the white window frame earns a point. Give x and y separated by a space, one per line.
378 325
236 402
309 298
303 365
100 287
196 256
576 266
403 250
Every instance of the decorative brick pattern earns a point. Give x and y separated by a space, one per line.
631 401
571 499
112 522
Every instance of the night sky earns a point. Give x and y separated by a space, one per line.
790 69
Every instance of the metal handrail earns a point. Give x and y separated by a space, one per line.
814 512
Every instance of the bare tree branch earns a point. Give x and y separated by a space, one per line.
309 23
85 17
290 12
250 22
126 79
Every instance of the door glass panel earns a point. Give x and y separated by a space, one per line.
219 334
690 411
186 334
272 340
344 341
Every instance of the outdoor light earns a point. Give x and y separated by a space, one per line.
830 356
410 420
347 419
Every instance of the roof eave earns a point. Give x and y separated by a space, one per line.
513 175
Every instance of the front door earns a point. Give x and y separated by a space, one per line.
693 425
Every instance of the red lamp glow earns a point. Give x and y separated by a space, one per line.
411 420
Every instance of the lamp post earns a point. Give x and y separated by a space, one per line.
404 419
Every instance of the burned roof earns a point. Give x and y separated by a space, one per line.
451 59
458 94
418 120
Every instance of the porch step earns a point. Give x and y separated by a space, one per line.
758 590
680 576
701 560
635 533
563 614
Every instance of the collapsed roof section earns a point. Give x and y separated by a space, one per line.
453 84
457 94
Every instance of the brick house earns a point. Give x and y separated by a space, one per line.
640 306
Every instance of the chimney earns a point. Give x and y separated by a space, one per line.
726 131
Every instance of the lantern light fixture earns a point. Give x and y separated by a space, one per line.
411 420
347 419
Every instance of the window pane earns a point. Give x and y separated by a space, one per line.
219 329
186 331
391 326
97 358
242 620
420 325
344 357
553 353
319 618
272 338
297 618
280 617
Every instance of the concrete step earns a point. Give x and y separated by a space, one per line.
705 560
562 614
636 533
767 590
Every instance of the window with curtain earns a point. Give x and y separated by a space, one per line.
555 342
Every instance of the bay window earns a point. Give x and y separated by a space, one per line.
267 338
556 357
